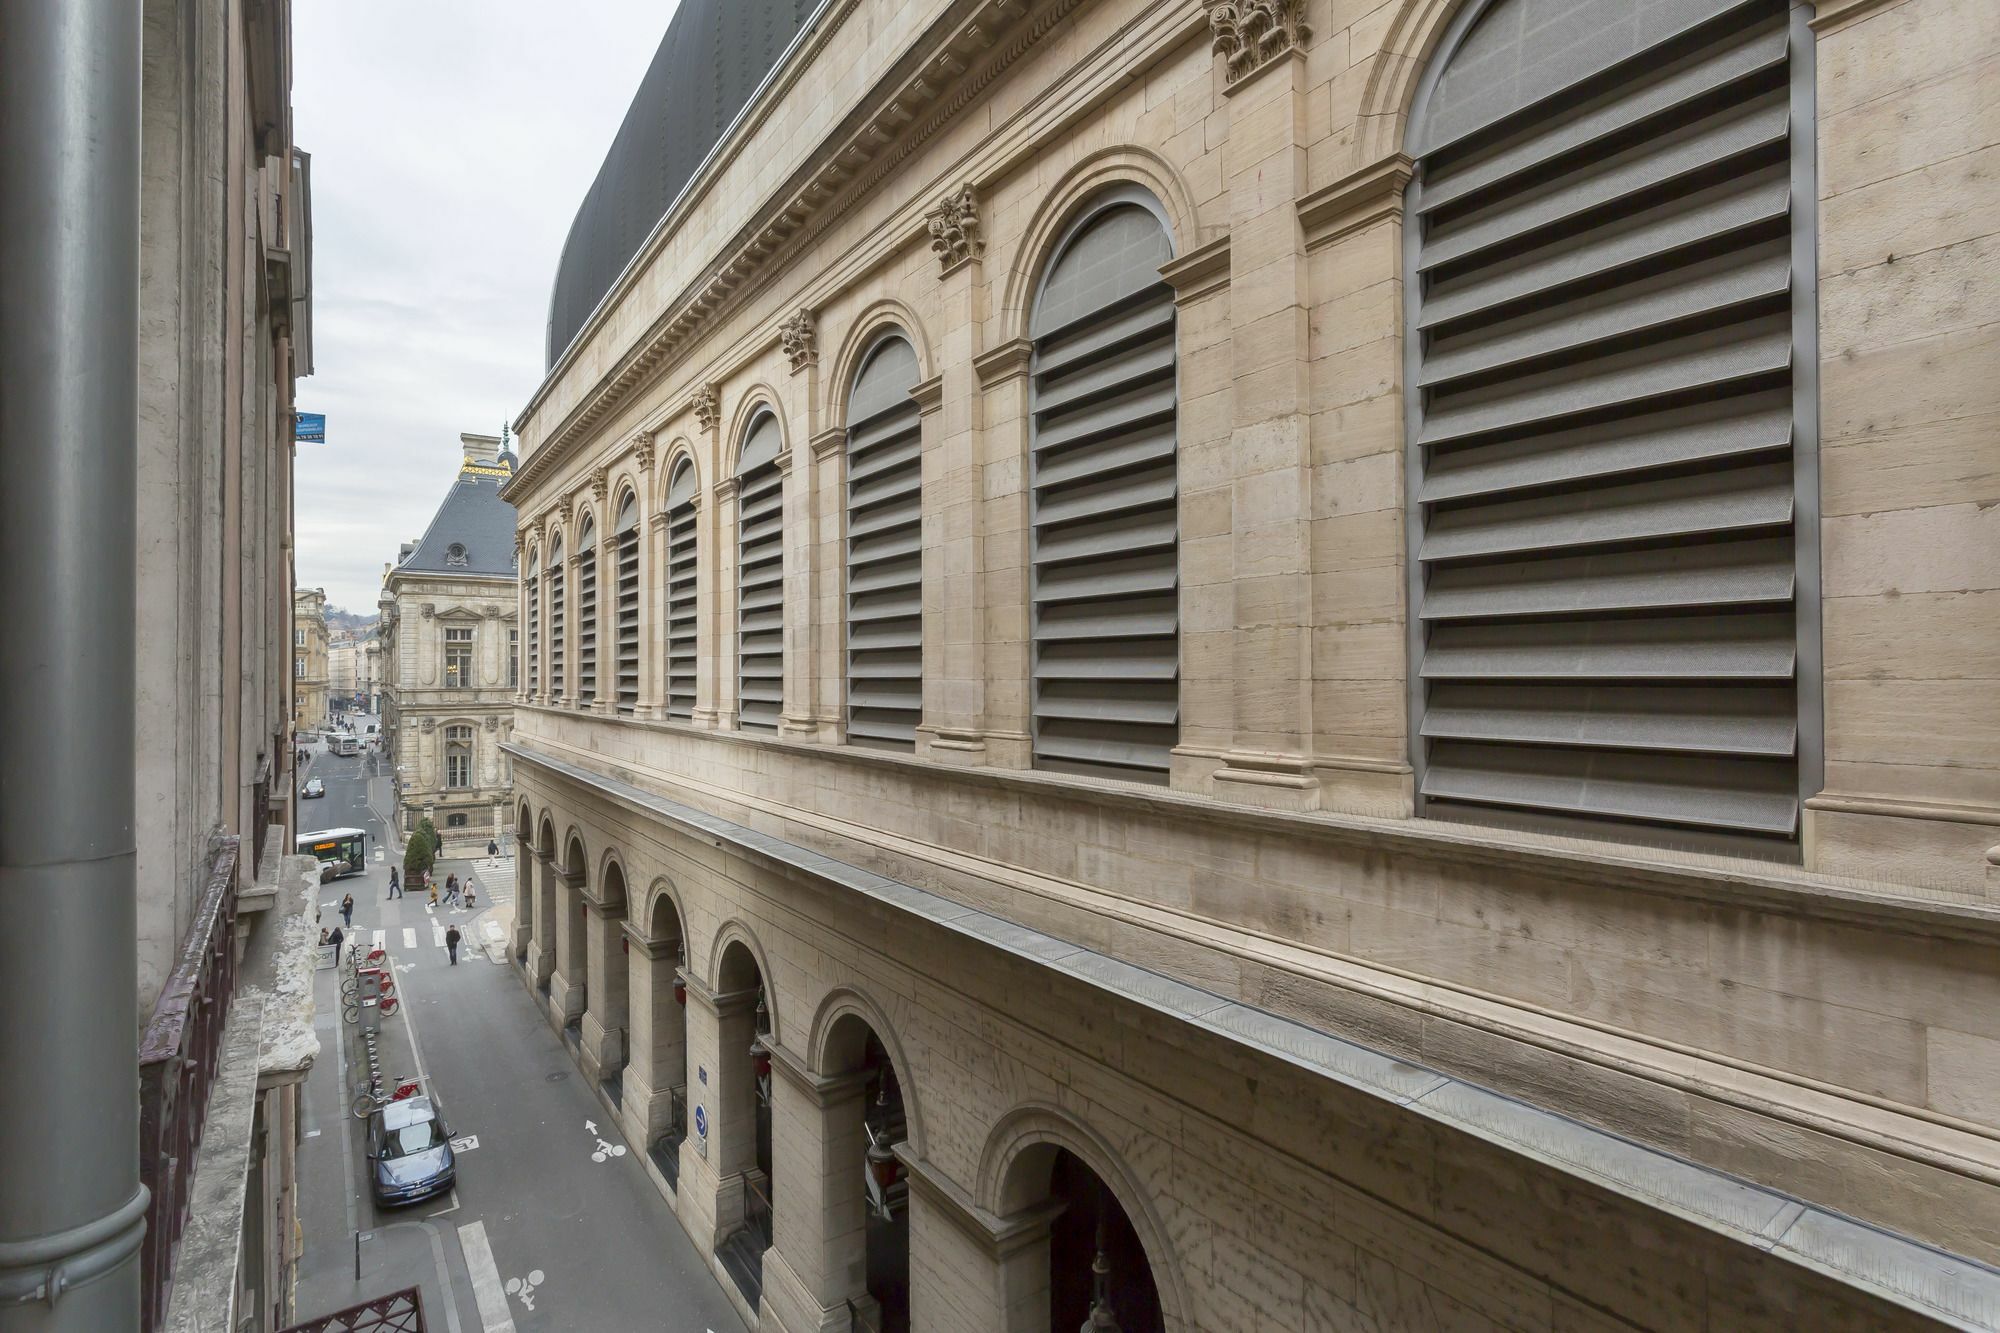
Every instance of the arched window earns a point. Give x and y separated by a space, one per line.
1610 387
760 579
682 658
1105 560
626 534
458 756
534 624
558 644
885 551
585 561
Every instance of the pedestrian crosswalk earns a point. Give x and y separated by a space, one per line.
496 878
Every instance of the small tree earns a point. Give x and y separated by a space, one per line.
420 853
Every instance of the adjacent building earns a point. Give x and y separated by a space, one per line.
1299 664
311 645
448 657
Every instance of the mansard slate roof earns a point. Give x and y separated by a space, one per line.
474 517
715 54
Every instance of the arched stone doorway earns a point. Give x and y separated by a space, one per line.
542 946
606 1015
524 889
1097 1267
742 1119
656 1093
870 1223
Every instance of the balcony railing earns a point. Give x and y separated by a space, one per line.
398 1312
177 1060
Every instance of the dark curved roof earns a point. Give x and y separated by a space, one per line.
474 519
713 57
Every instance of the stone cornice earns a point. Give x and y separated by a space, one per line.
726 489
1831 15
828 443
1200 272
1009 359
1355 201
960 65
929 394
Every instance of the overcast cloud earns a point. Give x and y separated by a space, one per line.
451 143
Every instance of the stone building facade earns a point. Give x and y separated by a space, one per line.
311 665
447 658
231 656
1286 663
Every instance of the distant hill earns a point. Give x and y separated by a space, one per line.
350 622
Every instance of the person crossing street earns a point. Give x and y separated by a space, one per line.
395 884
451 939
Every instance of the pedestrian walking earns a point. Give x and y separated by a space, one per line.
467 888
335 940
347 911
492 848
433 885
451 888
395 886
451 939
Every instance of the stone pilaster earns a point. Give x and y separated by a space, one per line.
722 1096
818 1256
605 1014
716 707
828 470
1004 735
569 983
970 1271
657 1038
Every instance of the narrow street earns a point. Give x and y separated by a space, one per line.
553 1224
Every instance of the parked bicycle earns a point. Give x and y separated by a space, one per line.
370 1098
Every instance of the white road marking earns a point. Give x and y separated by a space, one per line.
409 938
381 939
437 934
590 1127
523 1289
466 1144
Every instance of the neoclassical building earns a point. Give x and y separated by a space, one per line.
448 657
1288 664
310 666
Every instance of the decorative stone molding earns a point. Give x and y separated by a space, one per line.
1357 200
490 611
429 725
726 489
954 228
642 450
493 722
1831 15
828 443
991 39
799 336
1004 362
929 395
428 610
1200 272
600 486
707 411
1249 34
782 460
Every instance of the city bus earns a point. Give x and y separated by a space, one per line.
343 743
340 851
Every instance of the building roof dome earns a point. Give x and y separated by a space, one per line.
714 56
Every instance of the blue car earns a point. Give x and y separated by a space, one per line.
409 1152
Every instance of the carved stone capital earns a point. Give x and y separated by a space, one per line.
954 228
799 336
706 410
493 722
600 485
1249 34
642 450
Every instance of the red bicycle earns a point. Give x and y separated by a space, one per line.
372 1098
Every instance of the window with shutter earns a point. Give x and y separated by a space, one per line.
1105 555
534 627
885 551
682 659
1614 558
760 579
585 561
626 535
558 644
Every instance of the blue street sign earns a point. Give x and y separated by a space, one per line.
312 427
701 1121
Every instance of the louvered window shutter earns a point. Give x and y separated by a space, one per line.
558 642
1105 557
534 628
760 581
586 614
885 551
627 537
1606 408
681 643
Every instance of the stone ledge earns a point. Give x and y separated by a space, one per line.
1896 1269
205 1264
1703 877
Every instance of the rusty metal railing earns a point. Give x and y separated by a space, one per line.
398 1312
178 1055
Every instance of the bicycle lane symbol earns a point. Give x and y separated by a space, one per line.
522 1289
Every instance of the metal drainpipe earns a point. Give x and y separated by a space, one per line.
72 1211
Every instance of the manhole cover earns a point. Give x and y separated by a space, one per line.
556 1077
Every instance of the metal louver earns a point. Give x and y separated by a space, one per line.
558 642
681 643
625 533
885 551
760 580
1607 404
585 560
534 628
1105 557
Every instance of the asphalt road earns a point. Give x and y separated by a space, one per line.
554 1224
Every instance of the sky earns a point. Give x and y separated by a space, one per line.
451 143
